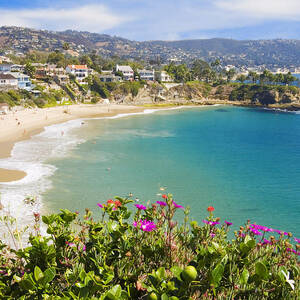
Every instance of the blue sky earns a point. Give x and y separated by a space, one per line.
160 19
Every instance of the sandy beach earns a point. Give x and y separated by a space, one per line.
20 125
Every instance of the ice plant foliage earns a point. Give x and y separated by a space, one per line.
149 253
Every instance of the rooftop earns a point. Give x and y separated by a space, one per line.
7 76
78 67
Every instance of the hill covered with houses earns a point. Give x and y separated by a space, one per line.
258 54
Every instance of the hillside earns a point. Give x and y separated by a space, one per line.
265 53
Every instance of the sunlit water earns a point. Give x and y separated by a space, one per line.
244 162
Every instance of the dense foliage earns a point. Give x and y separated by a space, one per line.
148 255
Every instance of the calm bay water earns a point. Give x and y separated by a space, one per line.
244 162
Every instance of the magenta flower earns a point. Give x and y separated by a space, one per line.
211 223
177 205
212 235
161 203
255 231
297 240
145 225
267 242
100 205
228 223
70 244
140 206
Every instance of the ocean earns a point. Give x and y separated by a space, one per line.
245 162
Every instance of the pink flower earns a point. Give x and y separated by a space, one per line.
297 240
145 225
212 235
177 205
161 203
255 231
100 205
228 223
211 223
267 242
140 206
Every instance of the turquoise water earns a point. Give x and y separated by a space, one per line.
245 162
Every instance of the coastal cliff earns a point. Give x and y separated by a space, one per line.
286 97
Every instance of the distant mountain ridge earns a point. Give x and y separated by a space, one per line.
249 53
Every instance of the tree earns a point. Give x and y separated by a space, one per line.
201 70
56 58
230 74
241 78
66 46
288 78
29 69
253 76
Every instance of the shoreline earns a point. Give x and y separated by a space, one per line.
22 125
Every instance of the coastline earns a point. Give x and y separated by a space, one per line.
21 125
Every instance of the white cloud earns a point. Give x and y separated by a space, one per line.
95 18
262 9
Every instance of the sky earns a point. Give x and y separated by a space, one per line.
160 19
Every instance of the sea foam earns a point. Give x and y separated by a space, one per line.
30 156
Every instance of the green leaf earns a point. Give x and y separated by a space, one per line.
161 273
116 290
251 244
244 276
27 283
217 274
247 239
49 275
164 297
38 274
261 270
176 272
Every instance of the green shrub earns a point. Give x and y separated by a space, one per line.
115 256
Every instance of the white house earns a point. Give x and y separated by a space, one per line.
5 67
8 81
127 72
147 75
24 81
163 76
110 78
79 71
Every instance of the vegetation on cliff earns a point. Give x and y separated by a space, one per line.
114 255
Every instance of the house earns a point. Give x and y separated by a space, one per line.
61 79
127 72
24 82
17 68
79 71
163 76
7 81
4 108
110 78
5 68
147 75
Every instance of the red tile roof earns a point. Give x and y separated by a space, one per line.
78 67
